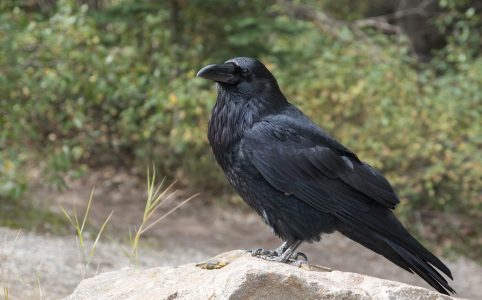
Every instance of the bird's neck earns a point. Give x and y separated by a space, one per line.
231 116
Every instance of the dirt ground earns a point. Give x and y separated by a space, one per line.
43 265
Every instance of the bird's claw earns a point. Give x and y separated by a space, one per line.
296 255
293 260
263 253
273 255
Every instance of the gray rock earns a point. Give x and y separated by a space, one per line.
237 275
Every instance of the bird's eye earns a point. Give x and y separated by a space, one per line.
245 72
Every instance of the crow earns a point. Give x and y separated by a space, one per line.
301 181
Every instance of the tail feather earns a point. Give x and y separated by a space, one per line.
374 244
411 243
423 269
389 227
410 256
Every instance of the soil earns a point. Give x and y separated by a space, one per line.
43 265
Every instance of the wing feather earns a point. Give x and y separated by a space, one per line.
285 154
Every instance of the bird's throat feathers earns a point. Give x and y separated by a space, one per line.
233 114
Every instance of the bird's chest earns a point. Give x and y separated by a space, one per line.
238 169
229 121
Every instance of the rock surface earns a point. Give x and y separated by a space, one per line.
237 275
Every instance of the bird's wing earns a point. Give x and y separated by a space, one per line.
299 158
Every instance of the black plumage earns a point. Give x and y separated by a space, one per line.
301 181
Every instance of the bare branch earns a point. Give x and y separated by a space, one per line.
379 24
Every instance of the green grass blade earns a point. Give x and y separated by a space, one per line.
87 209
92 250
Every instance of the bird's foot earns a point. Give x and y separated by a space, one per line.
275 256
293 258
284 254
297 259
264 253
290 261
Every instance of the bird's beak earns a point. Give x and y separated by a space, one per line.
220 73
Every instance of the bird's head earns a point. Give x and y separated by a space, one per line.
243 75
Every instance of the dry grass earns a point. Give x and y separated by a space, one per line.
4 270
85 254
156 196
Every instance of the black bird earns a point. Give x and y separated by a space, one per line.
301 181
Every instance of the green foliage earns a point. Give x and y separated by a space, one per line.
461 23
84 87
12 185
352 10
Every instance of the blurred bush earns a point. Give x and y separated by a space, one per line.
87 87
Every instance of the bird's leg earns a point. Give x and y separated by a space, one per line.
289 251
288 254
281 249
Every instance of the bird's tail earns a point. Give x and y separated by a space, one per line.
403 250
